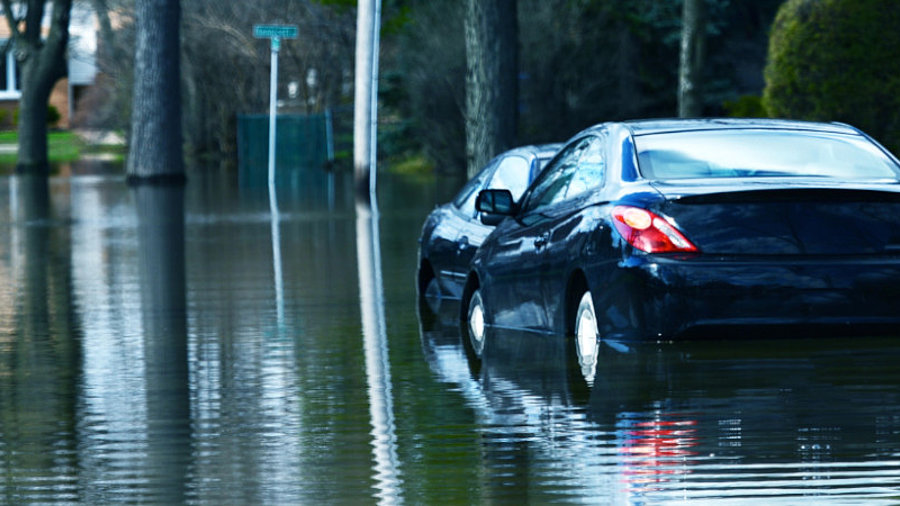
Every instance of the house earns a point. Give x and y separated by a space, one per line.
81 61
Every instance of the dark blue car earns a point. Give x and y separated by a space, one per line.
453 231
695 228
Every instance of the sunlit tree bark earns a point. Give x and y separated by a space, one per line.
42 62
156 150
491 32
693 42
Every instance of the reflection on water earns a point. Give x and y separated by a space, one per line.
161 275
375 344
39 347
788 421
150 352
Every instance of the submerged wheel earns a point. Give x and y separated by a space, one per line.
475 322
587 337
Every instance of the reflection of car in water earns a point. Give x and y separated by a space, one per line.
453 231
681 421
662 229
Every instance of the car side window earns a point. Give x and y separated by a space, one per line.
591 166
551 185
511 174
465 199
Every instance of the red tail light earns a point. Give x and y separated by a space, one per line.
648 232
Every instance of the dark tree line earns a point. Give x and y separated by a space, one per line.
573 64
579 63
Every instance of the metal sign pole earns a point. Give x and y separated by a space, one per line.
273 105
275 33
273 197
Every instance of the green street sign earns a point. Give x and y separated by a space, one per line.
275 31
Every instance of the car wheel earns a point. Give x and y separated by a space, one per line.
475 322
587 337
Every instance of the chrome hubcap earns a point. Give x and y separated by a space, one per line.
586 337
476 322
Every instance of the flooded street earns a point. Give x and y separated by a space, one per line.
181 346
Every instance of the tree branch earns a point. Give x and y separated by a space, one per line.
58 37
11 20
33 16
107 35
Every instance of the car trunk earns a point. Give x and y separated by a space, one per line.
772 219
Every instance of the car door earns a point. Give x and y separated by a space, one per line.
570 221
517 255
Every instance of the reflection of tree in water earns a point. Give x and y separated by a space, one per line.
40 347
160 211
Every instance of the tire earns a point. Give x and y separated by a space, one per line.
587 337
476 324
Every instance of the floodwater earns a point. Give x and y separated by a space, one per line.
191 346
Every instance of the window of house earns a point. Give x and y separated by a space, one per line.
10 86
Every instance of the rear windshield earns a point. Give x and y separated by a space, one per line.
761 153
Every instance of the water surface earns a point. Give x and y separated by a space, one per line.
182 346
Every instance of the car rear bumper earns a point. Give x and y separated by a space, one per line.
655 297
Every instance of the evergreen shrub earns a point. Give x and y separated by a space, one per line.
53 115
837 60
745 106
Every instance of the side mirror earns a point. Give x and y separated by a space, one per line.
495 205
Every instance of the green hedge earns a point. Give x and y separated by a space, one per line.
837 60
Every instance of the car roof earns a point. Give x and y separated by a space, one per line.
535 149
654 126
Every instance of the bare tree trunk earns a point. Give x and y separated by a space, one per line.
491 80
156 151
693 42
33 156
43 62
